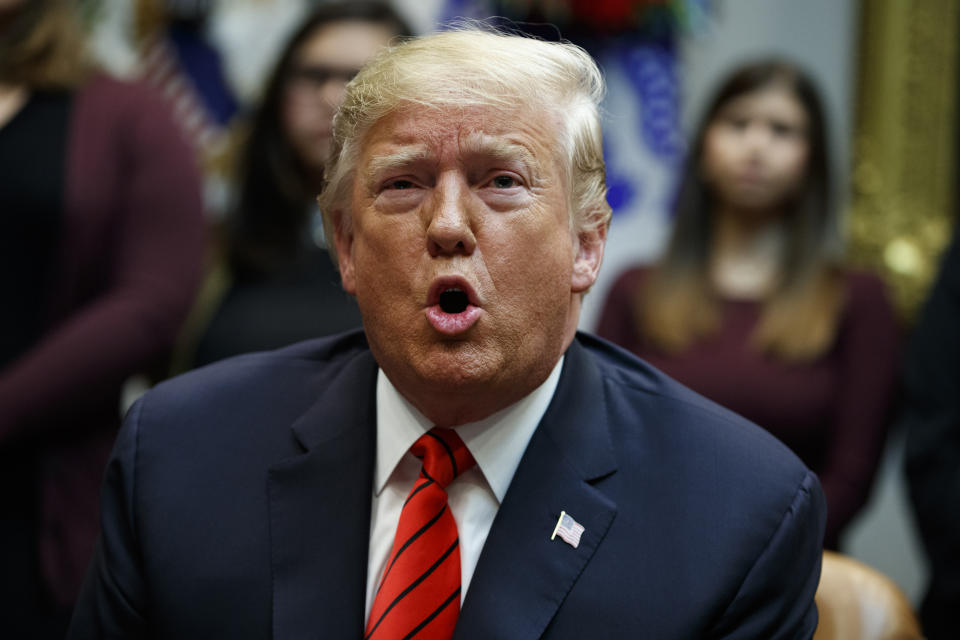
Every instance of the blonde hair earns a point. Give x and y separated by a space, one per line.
476 66
43 47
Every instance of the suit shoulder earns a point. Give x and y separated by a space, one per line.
648 404
283 381
635 377
745 513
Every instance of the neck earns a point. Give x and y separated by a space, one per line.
745 253
462 408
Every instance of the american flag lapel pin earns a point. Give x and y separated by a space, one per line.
568 529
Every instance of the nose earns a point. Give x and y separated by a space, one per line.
449 226
756 137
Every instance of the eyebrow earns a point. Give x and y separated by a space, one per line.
403 157
479 143
476 143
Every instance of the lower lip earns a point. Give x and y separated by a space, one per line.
453 324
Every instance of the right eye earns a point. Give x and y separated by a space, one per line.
398 185
505 182
737 122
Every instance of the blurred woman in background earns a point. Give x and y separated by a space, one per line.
751 305
274 282
99 260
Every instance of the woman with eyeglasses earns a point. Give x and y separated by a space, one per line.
274 283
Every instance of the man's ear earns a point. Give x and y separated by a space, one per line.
343 239
588 257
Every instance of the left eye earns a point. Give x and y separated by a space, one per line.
782 129
504 182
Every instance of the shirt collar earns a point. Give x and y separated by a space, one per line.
496 442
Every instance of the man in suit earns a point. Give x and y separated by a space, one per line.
566 489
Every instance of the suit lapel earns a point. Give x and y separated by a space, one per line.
320 511
523 576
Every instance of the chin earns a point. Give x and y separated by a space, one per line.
760 205
444 365
454 366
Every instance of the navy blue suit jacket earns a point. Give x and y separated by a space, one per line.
237 505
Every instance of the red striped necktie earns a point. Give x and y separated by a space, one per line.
419 594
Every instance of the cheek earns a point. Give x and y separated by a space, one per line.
291 120
794 164
715 157
301 134
389 250
532 264
300 116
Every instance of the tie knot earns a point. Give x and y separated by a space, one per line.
444 455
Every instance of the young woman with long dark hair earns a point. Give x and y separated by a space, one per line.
752 304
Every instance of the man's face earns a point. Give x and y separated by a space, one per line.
461 254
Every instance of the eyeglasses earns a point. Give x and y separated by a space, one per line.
314 77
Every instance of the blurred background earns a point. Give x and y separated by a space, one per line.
887 71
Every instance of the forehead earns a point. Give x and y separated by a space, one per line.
522 133
344 43
776 100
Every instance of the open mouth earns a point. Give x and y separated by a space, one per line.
452 306
454 301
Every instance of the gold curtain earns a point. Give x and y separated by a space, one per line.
905 164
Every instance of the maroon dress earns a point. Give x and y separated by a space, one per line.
832 412
125 251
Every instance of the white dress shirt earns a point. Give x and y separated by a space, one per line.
497 444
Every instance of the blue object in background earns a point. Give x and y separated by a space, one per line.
202 64
652 74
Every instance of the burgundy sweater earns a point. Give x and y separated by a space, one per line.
129 257
833 412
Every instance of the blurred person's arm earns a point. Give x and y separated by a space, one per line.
154 247
870 354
